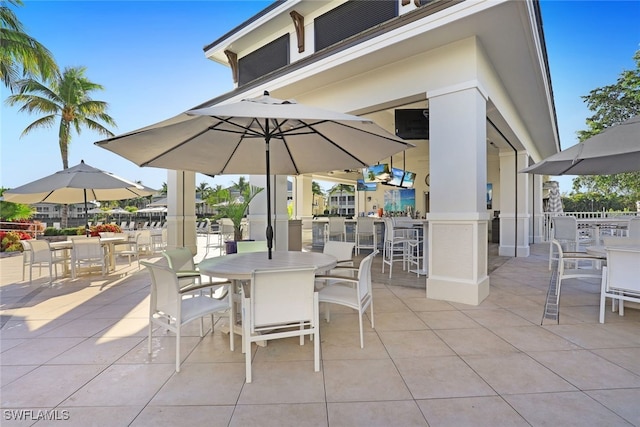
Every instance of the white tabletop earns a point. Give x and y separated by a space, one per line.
241 266
601 250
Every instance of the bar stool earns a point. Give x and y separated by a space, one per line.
335 227
365 230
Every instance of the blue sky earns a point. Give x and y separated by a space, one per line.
148 55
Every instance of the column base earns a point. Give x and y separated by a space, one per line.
457 291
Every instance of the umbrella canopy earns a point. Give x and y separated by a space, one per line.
555 200
614 150
76 184
118 211
96 211
227 139
164 202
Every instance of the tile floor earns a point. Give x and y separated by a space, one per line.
78 352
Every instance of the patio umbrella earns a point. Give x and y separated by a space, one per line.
614 150
76 184
555 200
227 139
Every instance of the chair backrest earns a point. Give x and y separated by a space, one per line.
179 259
343 251
565 228
226 227
365 225
40 250
634 228
364 276
165 296
336 224
251 246
388 229
143 237
281 296
623 269
87 248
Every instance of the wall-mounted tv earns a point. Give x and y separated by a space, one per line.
366 186
377 173
396 177
412 123
408 179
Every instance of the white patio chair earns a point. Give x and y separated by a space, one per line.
282 303
355 293
170 310
366 236
87 253
26 257
40 254
396 244
633 230
128 247
335 227
564 231
181 261
620 278
575 265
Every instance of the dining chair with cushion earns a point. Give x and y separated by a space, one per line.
181 261
366 236
620 278
41 254
88 253
343 252
281 303
355 293
170 310
564 231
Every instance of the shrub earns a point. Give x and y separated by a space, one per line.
97 229
10 241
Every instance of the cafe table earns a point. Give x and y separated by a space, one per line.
108 242
240 267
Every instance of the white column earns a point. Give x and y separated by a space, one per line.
537 211
458 219
514 205
279 217
181 210
303 197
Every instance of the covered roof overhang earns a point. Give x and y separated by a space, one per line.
510 33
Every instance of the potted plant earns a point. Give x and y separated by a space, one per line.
236 211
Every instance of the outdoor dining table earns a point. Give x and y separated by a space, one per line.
240 267
108 242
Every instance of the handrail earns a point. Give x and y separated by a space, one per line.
32 228
546 235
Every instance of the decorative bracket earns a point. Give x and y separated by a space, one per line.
232 57
298 23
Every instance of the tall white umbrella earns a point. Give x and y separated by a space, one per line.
229 139
555 200
614 150
77 184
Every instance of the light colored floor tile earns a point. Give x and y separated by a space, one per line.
133 327
38 350
623 402
403 321
96 351
570 409
6 343
516 373
409 344
474 341
110 388
496 318
285 350
363 380
470 411
533 338
447 320
282 415
215 348
586 370
441 377
369 414
9 374
47 386
163 350
80 328
154 416
628 358
420 303
203 384
283 382
346 345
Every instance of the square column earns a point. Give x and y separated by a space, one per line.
303 197
537 210
458 220
514 205
181 210
279 216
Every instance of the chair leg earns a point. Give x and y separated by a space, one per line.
360 314
177 347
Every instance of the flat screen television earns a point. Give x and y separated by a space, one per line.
377 173
412 123
408 179
396 177
366 186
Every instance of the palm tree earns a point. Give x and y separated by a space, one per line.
165 189
242 186
66 101
341 188
20 54
203 190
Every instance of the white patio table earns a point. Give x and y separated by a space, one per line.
108 242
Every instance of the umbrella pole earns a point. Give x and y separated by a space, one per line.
86 214
269 227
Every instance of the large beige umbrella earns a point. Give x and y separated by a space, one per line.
261 135
77 184
614 150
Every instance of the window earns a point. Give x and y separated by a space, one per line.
268 58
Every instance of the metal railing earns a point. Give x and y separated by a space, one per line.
546 235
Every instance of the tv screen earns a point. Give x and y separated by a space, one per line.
408 179
412 123
366 186
377 173
396 177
